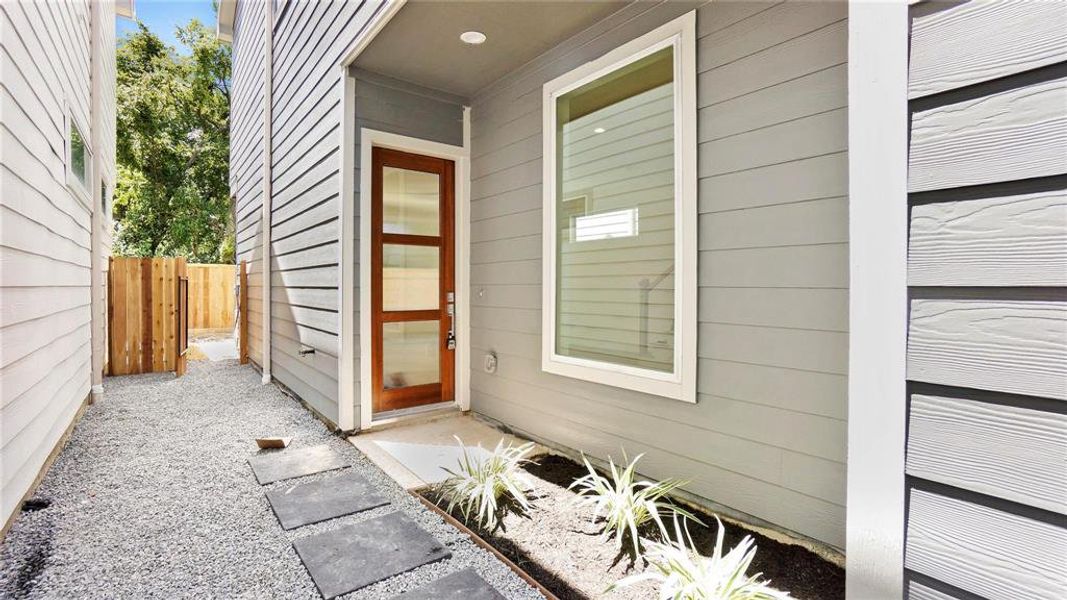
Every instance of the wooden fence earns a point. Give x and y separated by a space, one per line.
212 302
146 315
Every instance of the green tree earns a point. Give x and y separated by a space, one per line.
172 194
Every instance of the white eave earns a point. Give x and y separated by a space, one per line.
124 8
224 29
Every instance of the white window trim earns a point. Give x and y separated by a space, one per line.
681 384
81 191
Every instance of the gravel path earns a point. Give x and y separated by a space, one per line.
153 497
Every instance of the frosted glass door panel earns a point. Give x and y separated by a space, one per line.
410 353
410 277
411 202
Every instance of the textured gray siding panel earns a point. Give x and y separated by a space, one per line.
987 266
1007 451
1007 240
1017 133
1016 346
995 554
918 591
944 54
767 436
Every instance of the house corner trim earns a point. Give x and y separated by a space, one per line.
878 154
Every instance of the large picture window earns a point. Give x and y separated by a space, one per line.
620 217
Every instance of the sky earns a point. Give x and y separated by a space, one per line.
163 16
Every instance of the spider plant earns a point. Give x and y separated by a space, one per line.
626 504
683 574
485 488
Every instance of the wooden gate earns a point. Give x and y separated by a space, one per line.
212 302
147 315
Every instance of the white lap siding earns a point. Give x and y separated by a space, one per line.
45 230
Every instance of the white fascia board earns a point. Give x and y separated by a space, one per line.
224 25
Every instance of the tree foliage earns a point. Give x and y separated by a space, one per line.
172 194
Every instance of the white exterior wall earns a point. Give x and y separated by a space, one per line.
45 229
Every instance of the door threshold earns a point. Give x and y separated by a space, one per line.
404 416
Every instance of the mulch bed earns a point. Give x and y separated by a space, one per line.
560 547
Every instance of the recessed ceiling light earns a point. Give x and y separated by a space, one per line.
472 37
599 130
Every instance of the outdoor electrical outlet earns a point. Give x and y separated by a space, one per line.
490 362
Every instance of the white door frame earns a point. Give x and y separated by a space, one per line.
370 139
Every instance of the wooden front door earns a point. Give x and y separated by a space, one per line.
412 298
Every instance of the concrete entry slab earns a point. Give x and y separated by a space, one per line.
461 585
307 503
270 466
415 454
348 558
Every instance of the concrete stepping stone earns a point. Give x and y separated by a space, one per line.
348 558
461 585
307 503
295 462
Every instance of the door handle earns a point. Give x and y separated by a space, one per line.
450 308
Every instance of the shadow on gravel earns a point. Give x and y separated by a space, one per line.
40 549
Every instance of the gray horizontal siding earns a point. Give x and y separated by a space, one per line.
1019 133
1016 346
309 42
987 266
1000 450
767 435
246 158
1007 240
944 55
918 591
995 554
45 235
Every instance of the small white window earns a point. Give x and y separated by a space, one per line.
79 160
620 249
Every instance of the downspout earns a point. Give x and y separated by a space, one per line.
96 219
268 57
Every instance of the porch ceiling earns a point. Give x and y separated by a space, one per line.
421 43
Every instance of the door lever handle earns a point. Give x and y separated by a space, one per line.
450 308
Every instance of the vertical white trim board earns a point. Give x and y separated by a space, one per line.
878 209
370 139
268 85
97 259
346 302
